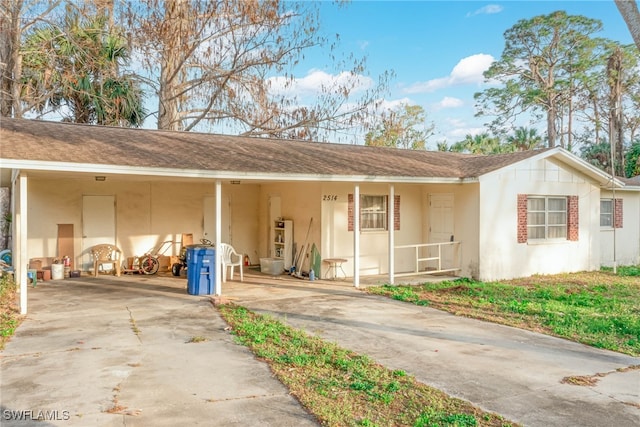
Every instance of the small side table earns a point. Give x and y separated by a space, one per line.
335 264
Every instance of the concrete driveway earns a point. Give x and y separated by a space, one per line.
505 370
113 351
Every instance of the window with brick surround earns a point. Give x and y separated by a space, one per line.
547 218
374 212
611 213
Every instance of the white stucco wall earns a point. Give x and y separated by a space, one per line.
627 238
147 213
502 257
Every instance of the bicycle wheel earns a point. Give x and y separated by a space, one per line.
149 265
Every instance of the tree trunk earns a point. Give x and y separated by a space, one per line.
631 15
551 125
10 30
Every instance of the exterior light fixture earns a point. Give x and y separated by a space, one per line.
101 178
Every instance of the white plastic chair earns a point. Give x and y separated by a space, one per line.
227 257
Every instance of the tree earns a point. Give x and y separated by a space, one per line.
524 139
631 15
598 154
481 144
228 64
16 17
404 127
534 68
632 160
74 69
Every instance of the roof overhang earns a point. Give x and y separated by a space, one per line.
38 167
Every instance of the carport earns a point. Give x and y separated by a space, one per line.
158 181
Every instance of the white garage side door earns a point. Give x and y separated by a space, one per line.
441 226
98 224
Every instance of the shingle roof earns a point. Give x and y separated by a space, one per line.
34 140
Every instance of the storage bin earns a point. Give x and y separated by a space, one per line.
272 266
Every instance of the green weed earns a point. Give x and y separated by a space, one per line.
340 387
595 308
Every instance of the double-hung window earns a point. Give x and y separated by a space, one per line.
546 217
373 213
606 213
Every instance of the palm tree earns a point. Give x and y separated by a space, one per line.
481 144
74 69
525 139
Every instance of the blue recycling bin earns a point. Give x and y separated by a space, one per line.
201 267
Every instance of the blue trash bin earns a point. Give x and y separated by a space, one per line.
201 265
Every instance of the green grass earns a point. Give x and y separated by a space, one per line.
342 388
595 308
9 314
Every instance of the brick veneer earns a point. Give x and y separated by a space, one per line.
572 218
617 213
522 218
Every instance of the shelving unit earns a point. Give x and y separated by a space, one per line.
282 244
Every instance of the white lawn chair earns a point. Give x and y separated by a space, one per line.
230 258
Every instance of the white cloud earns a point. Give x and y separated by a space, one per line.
317 81
448 102
489 9
467 71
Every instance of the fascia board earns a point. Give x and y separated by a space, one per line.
224 175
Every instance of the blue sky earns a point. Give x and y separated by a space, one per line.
439 49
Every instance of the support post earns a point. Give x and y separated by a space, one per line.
20 267
356 236
392 227
218 272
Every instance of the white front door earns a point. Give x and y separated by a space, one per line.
441 227
98 225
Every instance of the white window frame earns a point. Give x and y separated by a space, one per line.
609 214
547 213
368 209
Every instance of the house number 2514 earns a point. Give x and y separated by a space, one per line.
330 197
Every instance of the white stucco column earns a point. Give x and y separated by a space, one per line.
356 236
392 228
21 261
218 272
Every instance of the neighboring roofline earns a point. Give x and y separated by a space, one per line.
30 165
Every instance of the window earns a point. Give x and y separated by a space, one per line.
606 213
611 213
373 213
546 218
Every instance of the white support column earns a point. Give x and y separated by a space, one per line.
392 228
218 273
21 261
356 236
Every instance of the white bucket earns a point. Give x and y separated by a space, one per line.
57 271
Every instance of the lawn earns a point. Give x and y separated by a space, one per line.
595 308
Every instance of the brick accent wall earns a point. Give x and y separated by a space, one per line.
617 213
396 212
522 218
350 212
572 218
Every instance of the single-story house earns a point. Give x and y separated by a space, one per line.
487 217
